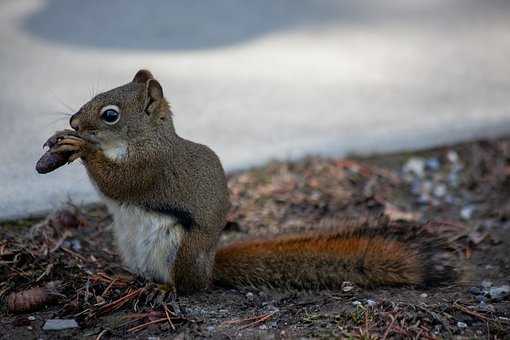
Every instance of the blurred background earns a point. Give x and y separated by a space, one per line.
255 80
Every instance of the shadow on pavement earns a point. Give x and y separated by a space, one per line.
194 24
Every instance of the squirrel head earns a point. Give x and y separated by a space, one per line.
127 114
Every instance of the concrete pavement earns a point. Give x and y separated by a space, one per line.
254 80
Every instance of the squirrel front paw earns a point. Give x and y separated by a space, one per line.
72 143
64 147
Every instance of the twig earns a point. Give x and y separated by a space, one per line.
387 332
103 332
69 251
167 313
58 244
108 288
119 302
142 326
260 320
470 312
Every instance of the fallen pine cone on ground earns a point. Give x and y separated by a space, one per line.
33 298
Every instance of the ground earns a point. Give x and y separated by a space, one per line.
69 255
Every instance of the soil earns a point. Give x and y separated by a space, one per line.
71 256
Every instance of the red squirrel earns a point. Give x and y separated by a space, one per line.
169 200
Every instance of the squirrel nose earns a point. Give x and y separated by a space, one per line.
74 122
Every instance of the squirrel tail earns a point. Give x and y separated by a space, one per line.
391 253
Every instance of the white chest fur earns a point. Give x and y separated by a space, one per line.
115 151
148 242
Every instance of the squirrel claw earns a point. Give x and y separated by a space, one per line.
162 294
65 148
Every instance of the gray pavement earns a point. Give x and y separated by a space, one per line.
255 80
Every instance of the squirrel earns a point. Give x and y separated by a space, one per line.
169 200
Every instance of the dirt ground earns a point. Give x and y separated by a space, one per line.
70 257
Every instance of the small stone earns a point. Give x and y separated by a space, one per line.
424 199
475 291
31 318
29 328
249 296
427 187
371 303
499 293
75 244
467 212
461 324
486 284
210 328
416 166
486 307
453 179
424 295
357 303
450 199
416 187
432 164
347 286
452 156
59 324
440 190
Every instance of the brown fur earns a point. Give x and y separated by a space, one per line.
162 171
171 183
369 253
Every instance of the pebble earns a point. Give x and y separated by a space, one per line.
461 324
452 156
466 212
371 303
210 328
416 187
31 318
423 199
357 303
59 324
475 291
440 190
499 293
486 284
73 244
347 286
432 164
486 307
427 186
453 179
424 295
450 199
249 296
415 165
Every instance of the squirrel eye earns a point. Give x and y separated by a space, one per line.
110 114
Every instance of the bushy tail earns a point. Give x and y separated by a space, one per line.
384 254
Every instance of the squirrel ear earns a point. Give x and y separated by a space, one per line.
155 102
142 76
154 90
